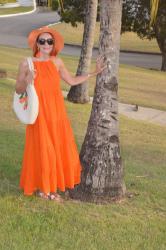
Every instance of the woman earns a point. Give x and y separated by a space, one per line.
51 160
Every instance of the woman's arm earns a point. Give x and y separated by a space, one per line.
75 80
24 77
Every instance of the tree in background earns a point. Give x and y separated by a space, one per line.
80 92
74 12
86 12
136 18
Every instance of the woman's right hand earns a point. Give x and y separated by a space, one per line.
24 77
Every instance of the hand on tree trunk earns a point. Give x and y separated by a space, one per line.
100 66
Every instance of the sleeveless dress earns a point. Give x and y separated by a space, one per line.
50 159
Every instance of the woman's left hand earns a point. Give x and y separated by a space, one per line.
100 66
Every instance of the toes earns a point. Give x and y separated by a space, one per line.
56 197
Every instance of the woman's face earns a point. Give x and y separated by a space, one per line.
45 43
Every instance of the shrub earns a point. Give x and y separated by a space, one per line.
55 5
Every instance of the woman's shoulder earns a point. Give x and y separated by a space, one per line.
23 63
57 60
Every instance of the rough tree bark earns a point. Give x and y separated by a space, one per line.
162 46
79 93
102 175
160 31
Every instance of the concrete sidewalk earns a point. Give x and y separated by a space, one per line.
145 114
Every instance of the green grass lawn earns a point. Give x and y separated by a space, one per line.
136 85
15 10
129 40
136 223
7 1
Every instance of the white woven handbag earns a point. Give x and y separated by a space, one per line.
26 105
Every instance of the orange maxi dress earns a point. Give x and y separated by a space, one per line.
50 159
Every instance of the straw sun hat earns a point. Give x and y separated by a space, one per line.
58 39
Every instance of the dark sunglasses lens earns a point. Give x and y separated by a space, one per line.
50 41
43 41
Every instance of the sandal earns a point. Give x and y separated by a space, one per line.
43 195
55 197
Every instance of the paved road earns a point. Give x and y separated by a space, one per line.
14 31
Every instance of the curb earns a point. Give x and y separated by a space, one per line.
22 13
124 51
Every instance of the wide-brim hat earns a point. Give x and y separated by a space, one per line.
34 34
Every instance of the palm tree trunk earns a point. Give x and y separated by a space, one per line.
79 93
163 67
160 31
102 175
162 46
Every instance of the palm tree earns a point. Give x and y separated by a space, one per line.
102 175
159 22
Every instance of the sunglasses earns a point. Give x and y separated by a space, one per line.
49 41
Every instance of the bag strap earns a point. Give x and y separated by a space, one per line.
31 65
